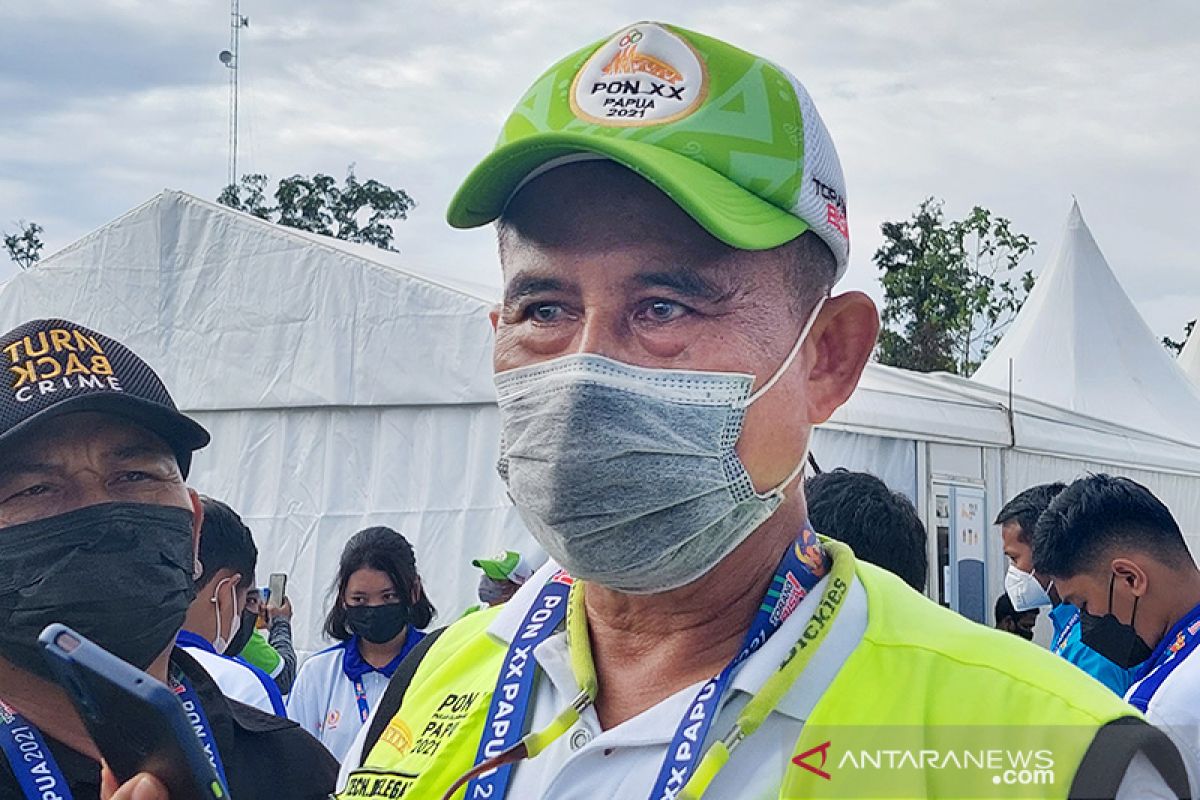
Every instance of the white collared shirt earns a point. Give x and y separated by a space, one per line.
624 761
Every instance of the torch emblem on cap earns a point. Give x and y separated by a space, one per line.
645 75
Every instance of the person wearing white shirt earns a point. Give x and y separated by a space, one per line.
376 615
1114 551
215 625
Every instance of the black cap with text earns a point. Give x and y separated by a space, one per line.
56 367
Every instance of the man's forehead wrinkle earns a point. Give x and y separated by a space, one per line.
599 201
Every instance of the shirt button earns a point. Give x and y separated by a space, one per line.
580 737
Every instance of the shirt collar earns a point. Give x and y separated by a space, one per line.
355 666
189 639
512 614
844 635
1061 614
1160 653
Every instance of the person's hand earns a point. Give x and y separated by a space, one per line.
141 787
282 612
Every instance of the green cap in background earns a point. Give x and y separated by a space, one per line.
507 566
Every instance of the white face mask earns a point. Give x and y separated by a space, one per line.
1024 590
221 643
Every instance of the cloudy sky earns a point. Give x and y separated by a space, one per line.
1014 105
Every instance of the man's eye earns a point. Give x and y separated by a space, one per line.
544 313
134 476
32 491
663 310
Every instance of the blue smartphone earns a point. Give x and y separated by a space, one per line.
138 724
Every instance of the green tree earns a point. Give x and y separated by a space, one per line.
1175 347
951 287
25 246
357 211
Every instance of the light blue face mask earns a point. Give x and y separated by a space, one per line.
626 475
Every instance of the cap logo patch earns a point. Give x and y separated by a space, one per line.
645 75
55 360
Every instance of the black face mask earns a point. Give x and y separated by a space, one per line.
1111 638
238 643
377 624
118 573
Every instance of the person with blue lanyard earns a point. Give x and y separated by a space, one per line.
216 627
672 219
99 531
1030 590
1115 551
378 611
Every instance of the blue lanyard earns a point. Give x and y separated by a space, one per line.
360 694
204 732
514 689
30 759
800 570
1176 646
795 577
1061 642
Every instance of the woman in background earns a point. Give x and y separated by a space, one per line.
377 612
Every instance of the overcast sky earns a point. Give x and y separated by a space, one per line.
1013 105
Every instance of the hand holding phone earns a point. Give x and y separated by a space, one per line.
138 724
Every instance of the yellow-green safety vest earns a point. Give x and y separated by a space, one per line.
928 704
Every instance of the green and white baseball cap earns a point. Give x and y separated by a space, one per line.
732 138
508 565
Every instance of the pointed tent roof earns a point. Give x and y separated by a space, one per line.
1189 359
234 312
1080 344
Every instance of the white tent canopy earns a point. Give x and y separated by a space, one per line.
342 390
1189 359
1079 343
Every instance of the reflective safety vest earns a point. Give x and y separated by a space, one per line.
928 704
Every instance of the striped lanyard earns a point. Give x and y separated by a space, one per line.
360 694
31 760
1060 643
199 720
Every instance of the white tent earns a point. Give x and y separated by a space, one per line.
341 390
941 439
1189 359
1080 344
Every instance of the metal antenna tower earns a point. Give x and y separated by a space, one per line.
230 58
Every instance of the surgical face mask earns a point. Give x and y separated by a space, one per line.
221 643
1024 590
627 476
494 592
1115 640
118 573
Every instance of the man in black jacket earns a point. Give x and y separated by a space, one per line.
99 531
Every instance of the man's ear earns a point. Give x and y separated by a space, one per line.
1131 574
842 339
415 593
494 317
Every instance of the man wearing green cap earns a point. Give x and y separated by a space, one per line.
503 574
672 218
